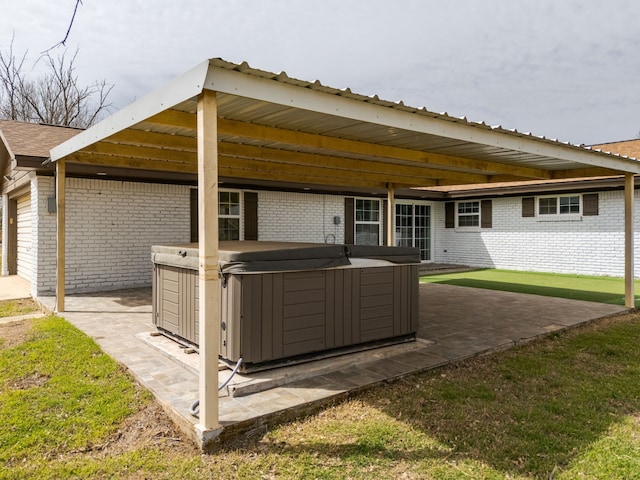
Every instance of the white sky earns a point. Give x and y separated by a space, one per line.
565 69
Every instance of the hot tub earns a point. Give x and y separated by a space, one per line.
291 301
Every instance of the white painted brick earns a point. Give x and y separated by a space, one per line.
592 246
111 226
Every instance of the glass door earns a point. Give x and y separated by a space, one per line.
413 227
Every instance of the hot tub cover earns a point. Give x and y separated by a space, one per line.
402 255
257 257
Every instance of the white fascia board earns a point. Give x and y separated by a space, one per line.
182 88
273 91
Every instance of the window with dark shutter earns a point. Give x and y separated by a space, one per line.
449 215
590 204
250 216
529 207
486 220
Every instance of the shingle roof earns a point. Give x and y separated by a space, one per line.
33 139
628 148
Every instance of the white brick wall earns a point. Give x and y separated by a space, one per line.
300 217
592 245
111 226
43 236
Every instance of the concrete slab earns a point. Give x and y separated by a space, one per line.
13 287
455 323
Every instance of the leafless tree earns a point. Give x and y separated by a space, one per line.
53 97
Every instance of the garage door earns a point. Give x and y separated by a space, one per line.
24 237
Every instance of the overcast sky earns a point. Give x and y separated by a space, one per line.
565 69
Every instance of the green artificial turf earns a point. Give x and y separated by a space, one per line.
578 287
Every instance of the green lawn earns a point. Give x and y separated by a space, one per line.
578 287
565 407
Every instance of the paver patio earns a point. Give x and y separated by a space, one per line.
455 323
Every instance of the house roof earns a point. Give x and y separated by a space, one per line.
629 148
33 139
282 131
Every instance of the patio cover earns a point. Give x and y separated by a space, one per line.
228 122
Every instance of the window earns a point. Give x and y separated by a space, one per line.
468 214
367 222
562 205
228 215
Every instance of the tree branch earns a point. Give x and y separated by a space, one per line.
64 40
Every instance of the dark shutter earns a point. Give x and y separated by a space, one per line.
250 216
529 207
485 214
385 220
194 214
449 215
590 204
349 221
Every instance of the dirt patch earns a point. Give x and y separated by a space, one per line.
15 333
148 427
32 381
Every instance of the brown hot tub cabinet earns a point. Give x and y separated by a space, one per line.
289 302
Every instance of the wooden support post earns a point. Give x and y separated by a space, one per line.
209 282
391 213
60 234
629 189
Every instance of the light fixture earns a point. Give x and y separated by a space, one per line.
102 174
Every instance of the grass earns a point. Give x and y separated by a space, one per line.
12 308
565 407
578 287
58 392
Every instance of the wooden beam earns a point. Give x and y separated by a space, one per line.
135 163
140 152
334 144
144 138
415 173
584 172
174 118
391 215
244 168
209 282
629 273
248 173
60 234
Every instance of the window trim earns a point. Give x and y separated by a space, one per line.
478 215
240 215
558 213
357 222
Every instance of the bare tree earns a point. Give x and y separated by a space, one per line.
54 97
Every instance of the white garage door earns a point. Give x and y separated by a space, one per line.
24 237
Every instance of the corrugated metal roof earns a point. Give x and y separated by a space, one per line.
282 77
272 125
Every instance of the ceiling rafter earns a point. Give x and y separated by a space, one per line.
186 120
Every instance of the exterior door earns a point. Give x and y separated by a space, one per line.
413 228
